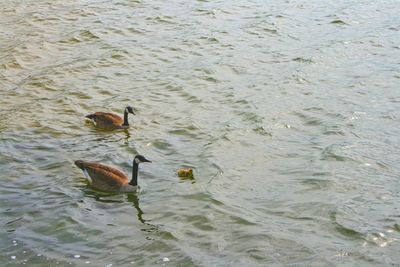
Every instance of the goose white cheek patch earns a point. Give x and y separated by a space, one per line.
137 161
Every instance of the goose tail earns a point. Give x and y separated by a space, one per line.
80 164
91 116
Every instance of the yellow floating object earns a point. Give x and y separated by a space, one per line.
185 173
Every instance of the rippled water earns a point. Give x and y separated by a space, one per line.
288 111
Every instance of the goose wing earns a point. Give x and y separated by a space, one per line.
104 177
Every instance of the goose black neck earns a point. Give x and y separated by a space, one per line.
135 169
126 123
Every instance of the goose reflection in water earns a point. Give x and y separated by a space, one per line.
119 198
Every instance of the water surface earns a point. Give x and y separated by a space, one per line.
288 111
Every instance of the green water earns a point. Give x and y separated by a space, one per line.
288 112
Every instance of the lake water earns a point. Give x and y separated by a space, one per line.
288 111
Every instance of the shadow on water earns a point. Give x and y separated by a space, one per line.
98 131
109 197
105 197
134 199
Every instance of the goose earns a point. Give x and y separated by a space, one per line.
109 179
110 120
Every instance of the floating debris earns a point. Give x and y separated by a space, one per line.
165 259
77 256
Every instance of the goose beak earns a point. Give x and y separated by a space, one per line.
145 160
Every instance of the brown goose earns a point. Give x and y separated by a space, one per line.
106 178
110 120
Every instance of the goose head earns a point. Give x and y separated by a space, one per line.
129 109
140 159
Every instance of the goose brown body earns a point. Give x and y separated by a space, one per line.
106 178
109 179
107 120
